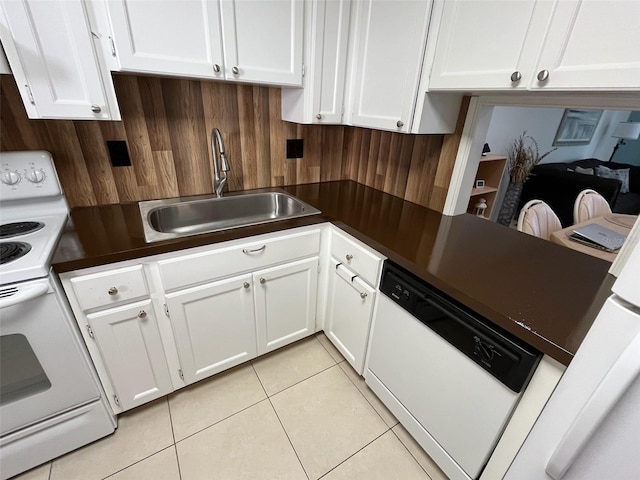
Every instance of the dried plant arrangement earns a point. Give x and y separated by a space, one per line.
523 155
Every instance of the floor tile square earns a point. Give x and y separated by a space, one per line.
326 343
419 454
160 466
250 445
202 404
39 473
141 432
292 364
371 397
383 459
327 420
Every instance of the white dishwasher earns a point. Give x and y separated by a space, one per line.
451 378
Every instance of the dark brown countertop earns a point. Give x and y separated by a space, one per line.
543 293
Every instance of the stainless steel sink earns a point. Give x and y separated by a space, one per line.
180 217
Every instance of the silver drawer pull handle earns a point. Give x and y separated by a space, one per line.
349 257
363 295
263 281
246 285
112 291
255 250
143 314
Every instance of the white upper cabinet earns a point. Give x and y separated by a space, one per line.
591 45
50 49
245 40
535 44
322 99
389 39
263 40
171 37
477 49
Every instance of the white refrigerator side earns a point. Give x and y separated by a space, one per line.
588 429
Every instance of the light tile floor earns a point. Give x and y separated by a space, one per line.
301 413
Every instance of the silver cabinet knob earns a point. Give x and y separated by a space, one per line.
96 108
112 291
263 281
246 285
543 75
400 123
319 116
363 295
349 257
216 68
142 314
235 70
516 76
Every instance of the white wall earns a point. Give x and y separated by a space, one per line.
507 123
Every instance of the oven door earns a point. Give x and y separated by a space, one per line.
43 369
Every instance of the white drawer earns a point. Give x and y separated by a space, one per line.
356 256
205 266
104 289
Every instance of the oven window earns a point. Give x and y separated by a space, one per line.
21 374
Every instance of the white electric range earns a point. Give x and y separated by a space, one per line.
51 401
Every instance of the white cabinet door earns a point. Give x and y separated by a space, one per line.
263 40
214 326
170 37
477 49
591 45
50 49
131 348
330 60
285 299
349 314
322 98
390 37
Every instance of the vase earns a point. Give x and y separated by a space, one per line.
510 203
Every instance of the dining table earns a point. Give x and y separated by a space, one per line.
618 222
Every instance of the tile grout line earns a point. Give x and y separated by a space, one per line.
326 349
281 424
173 434
298 382
410 453
137 461
50 469
354 453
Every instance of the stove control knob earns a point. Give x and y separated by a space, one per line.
10 177
35 176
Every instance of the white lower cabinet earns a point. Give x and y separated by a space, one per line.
349 314
131 351
223 305
214 326
285 301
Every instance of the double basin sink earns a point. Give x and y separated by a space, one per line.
181 217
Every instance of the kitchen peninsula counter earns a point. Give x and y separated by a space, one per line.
544 294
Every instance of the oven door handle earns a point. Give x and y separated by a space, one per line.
25 294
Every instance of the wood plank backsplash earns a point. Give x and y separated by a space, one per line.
167 124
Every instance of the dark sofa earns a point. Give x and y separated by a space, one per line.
559 185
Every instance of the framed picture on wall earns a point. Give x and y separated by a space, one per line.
577 127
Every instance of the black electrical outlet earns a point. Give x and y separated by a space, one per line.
118 153
295 148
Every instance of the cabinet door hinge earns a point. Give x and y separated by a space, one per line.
181 374
303 70
116 400
30 94
113 47
90 331
166 310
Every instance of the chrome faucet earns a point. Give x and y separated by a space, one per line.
220 164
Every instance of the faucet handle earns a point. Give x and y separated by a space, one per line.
224 165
